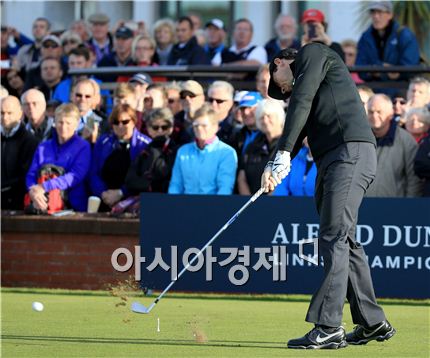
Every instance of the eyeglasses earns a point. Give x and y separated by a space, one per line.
148 99
217 100
163 127
124 122
80 95
71 42
400 100
172 100
184 95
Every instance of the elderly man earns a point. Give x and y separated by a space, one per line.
192 98
220 97
286 36
215 34
86 96
187 51
386 43
17 151
243 52
29 56
395 150
101 41
38 123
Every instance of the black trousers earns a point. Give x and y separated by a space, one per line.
344 174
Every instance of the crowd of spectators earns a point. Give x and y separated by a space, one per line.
152 135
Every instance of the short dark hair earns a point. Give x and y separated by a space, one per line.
186 19
44 19
81 51
243 19
51 59
287 54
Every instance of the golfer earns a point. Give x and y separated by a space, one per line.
325 107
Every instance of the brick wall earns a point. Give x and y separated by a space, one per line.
36 252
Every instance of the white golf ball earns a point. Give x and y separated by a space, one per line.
37 306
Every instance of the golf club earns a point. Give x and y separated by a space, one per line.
139 308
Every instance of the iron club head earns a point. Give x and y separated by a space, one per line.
139 308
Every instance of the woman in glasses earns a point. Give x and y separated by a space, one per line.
70 40
112 155
152 169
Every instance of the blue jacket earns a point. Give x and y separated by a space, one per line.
75 157
401 49
211 170
101 151
295 183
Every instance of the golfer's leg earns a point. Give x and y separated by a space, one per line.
338 213
360 294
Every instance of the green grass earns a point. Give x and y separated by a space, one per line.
92 324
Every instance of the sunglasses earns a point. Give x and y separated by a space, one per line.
163 127
172 100
184 95
80 95
401 100
50 46
116 122
219 101
71 42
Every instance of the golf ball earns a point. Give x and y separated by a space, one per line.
37 306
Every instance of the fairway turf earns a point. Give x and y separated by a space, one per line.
79 324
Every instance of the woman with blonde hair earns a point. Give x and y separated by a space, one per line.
164 35
143 51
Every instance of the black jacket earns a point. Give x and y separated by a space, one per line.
422 163
16 156
324 104
190 54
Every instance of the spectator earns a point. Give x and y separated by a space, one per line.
286 36
220 97
173 98
65 150
399 106
418 94
69 41
422 164
101 41
164 34
29 56
15 82
196 20
51 74
143 51
121 56
81 28
349 48
113 154
315 30
152 169
386 43
395 150
125 94
215 33
140 83
51 48
248 133
86 96
192 98
38 123
270 117
17 151
418 123
302 177
262 80
206 166
155 97
365 93
8 51
3 92
243 52
187 51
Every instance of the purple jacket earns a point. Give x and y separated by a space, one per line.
101 151
75 157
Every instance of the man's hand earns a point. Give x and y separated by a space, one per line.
281 165
267 181
112 196
37 195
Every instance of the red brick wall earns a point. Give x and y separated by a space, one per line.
61 260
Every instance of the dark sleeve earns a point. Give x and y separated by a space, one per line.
422 160
136 180
310 69
200 57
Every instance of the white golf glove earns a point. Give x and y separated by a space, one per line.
281 166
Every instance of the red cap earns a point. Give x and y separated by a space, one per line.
313 15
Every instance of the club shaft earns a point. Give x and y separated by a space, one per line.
226 225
